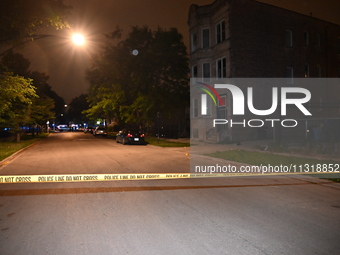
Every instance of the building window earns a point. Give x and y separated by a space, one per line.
194 72
306 71
223 102
290 75
222 113
209 106
193 42
306 38
205 38
318 39
206 72
220 32
221 68
318 67
289 38
195 133
320 104
195 108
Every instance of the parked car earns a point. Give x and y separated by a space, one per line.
89 130
130 137
100 131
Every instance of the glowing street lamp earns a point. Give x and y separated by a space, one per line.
78 39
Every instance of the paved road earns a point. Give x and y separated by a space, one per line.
280 215
73 153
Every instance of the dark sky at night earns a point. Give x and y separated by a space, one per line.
66 64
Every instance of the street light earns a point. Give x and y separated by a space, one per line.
76 38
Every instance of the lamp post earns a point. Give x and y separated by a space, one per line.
76 38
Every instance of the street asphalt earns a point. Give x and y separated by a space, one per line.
234 215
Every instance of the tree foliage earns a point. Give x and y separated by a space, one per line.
25 101
134 78
25 96
16 97
14 90
22 18
76 108
44 91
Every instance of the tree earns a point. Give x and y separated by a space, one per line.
16 63
137 77
16 97
44 91
43 107
25 107
77 106
20 19
20 22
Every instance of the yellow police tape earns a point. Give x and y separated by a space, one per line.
117 177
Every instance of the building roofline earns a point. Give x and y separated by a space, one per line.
295 12
266 4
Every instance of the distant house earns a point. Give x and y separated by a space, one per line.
248 39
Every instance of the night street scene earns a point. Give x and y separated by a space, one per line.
169 127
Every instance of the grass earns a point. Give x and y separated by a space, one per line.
258 158
8 148
154 141
262 158
164 143
112 134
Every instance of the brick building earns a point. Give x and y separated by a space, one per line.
248 39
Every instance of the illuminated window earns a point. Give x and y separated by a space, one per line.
209 106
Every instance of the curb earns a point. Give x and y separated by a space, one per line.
5 161
303 177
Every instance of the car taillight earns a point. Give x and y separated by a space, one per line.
129 135
142 135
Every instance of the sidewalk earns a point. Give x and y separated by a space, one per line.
263 146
